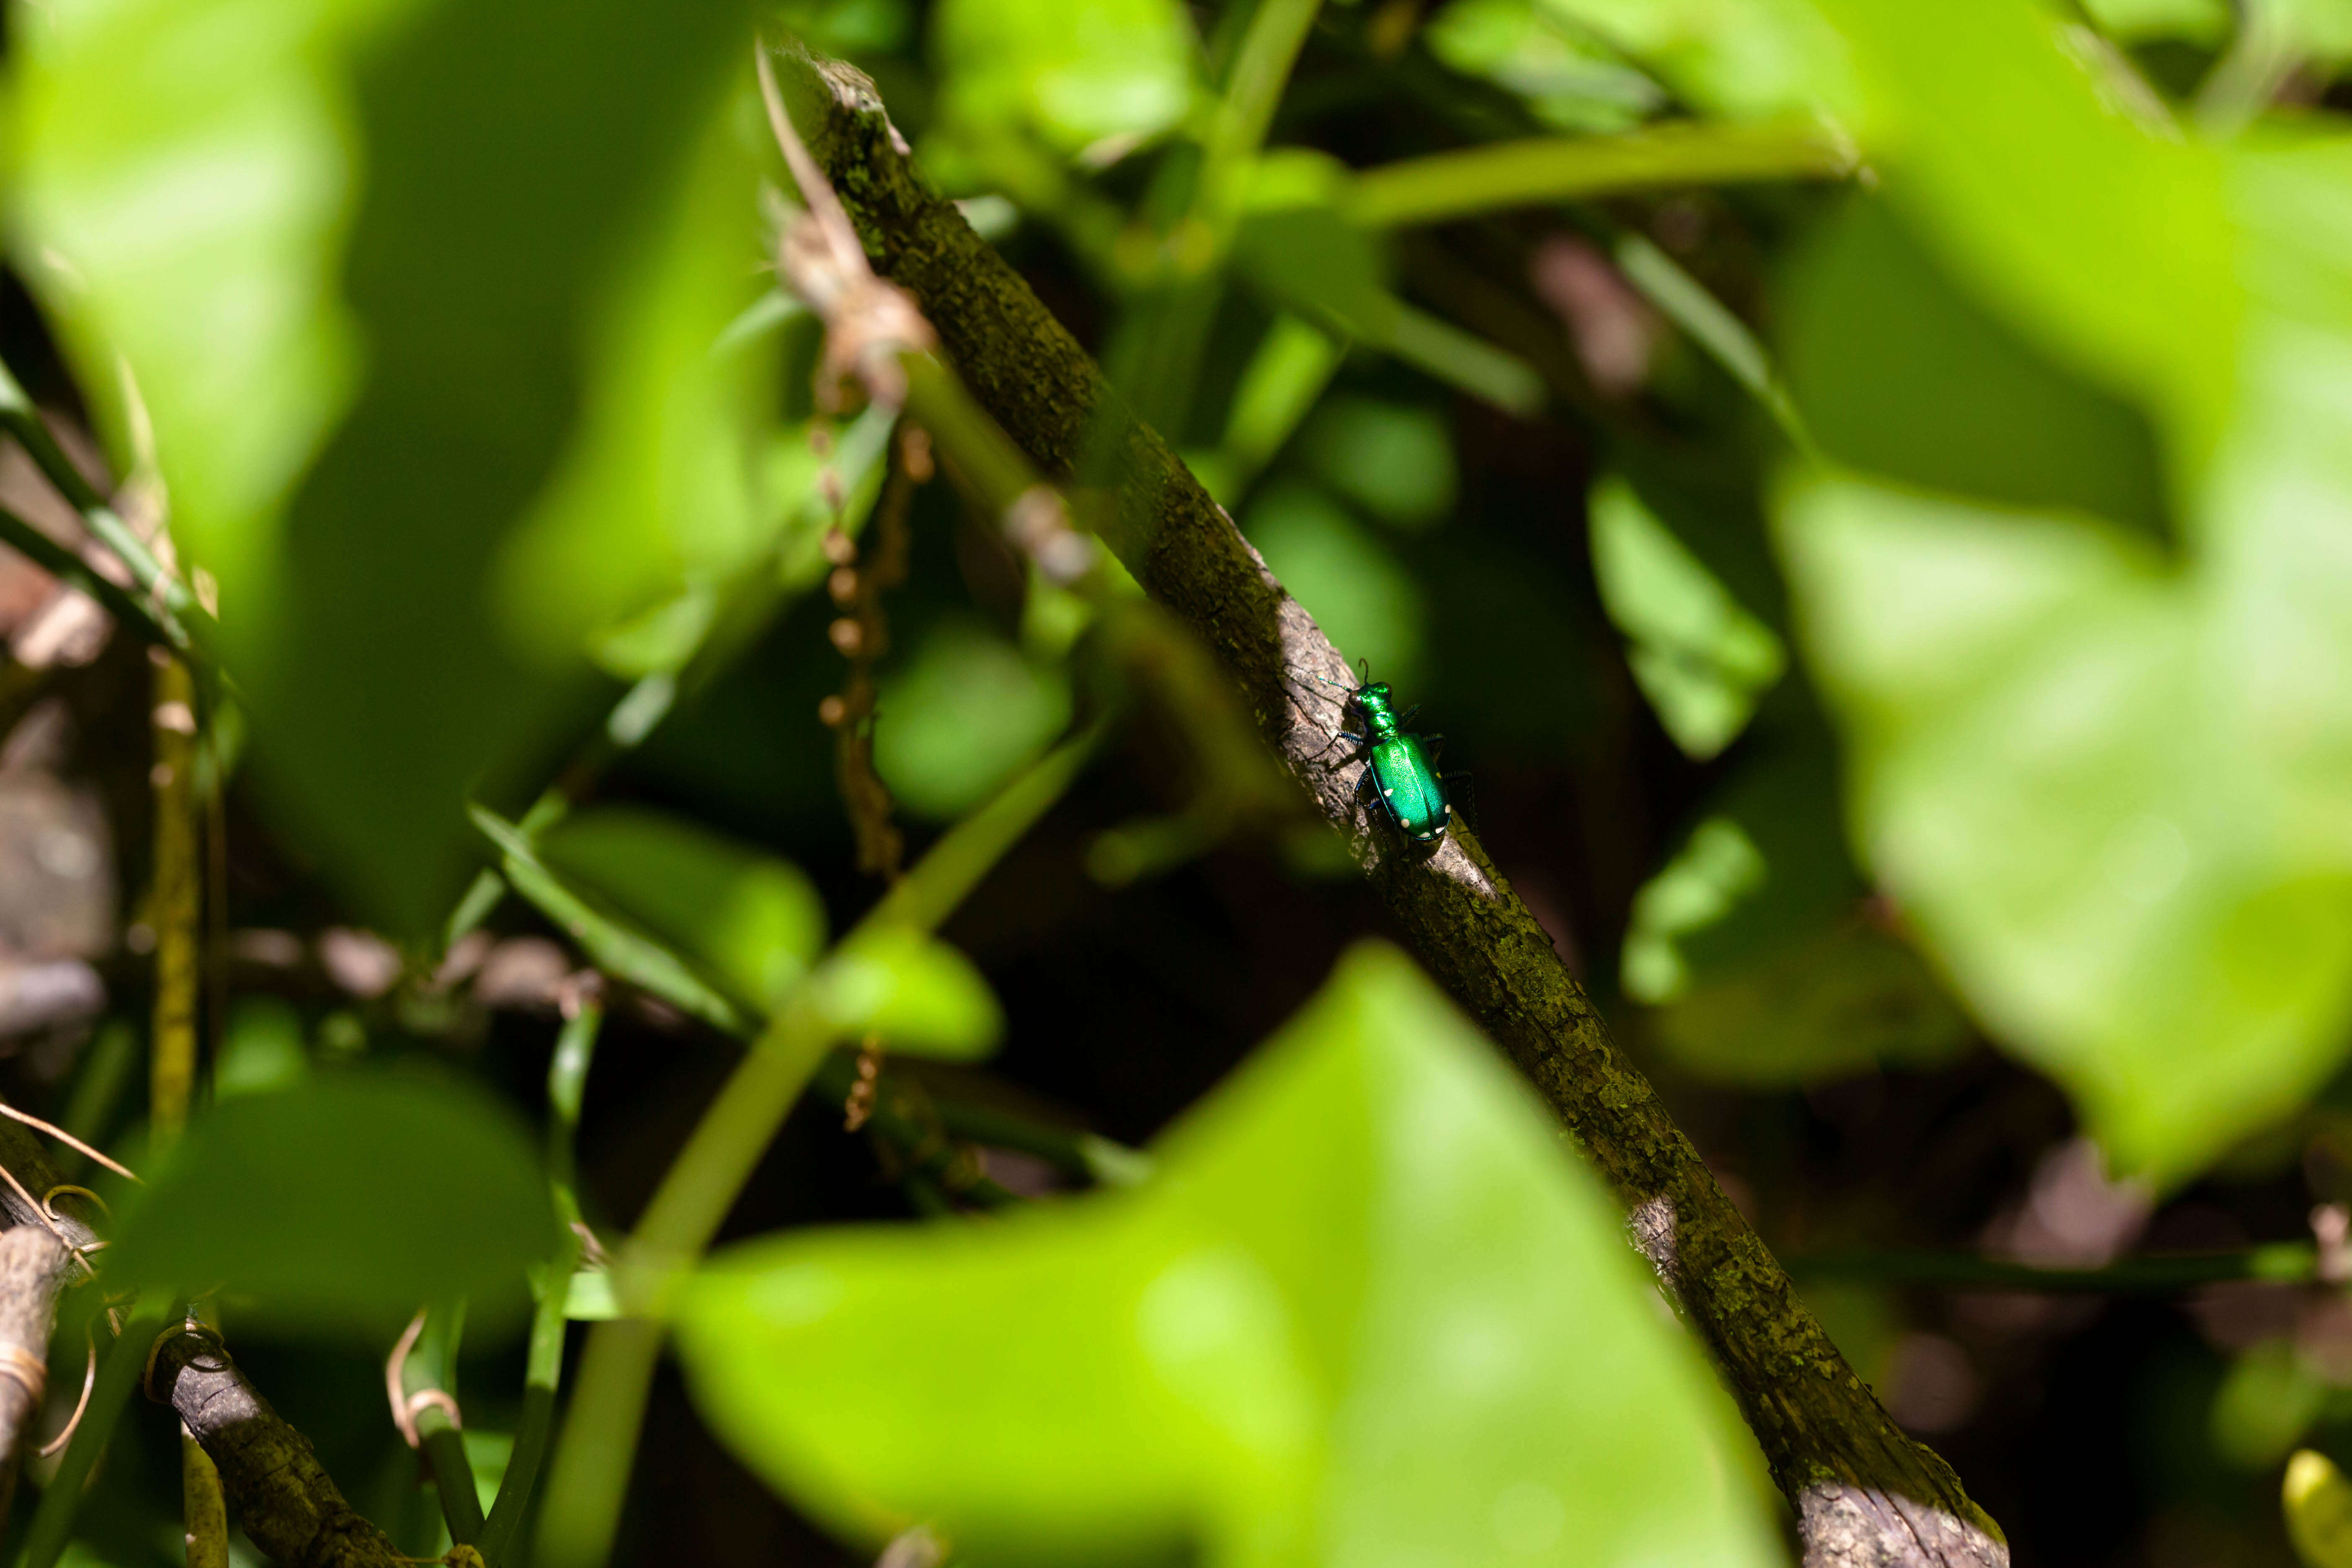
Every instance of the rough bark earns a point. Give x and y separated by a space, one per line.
288 1503
1864 1494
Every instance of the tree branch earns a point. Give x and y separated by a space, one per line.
283 1496
1864 1494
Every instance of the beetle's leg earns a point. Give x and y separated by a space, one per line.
1406 722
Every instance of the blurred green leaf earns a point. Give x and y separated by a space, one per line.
2031 196
1698 656
753 921
2265 1404
533 274
2112 791
961 716
1900 373
662 485
1369 1310
1393 459
261 1049
1073 71
1717 868
340 1203
1756 945
1567 77
1739 57
2079 810
922 997
1359 592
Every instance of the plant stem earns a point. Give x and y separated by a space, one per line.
2286 1262
176 915
1445 186
567 1082
142 618
599 1433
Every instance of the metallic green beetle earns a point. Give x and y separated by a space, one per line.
1399 765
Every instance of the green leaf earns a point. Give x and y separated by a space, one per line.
1901 373
922 997
338 1205
537 277
1369 1310
1073 71
1717 868
1345 575
961 716
2057 773
1739 57
2111 789
1393 459
1757 943
261 1049
1698 656
2032 193
1569 79
751 921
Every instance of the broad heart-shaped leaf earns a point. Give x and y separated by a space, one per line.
1369 1312
2067 762
338 1205
2111 789
753 921
425 430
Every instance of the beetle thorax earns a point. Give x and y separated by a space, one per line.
1379 718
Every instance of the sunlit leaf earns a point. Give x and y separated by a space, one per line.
920 995
2078 810
1345 575
338 1205
753 921
1699 656
536 276
1731 56
1900 373
1369 1310
2106 783
1569 78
